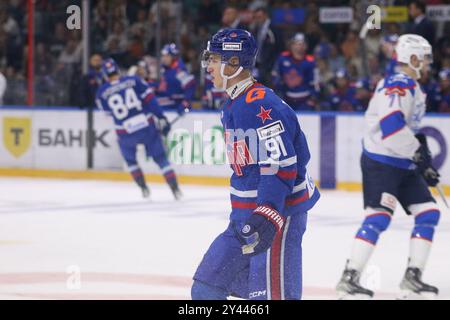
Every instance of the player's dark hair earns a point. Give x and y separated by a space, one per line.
419 4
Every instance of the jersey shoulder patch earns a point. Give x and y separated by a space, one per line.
399 80
399 83
255 93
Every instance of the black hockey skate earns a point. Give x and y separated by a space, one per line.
176 191
145 192
349 288
412 284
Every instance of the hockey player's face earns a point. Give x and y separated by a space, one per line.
166 59
213 68
298 47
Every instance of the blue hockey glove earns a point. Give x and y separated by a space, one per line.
260 230
164 125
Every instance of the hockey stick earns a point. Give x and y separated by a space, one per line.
179 116
363 50
441 193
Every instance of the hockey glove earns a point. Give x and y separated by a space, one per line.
164 125
260 229
422 157
423 160
431 176
183 107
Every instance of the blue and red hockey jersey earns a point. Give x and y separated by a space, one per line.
268 153
295 79
176 86
130 101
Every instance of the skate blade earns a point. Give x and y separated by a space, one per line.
347 296
411 295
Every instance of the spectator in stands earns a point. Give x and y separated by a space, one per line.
343 95
90 82
420 24
350 46
133 9
118 36
442 96
58 39
269 43
208 13
335 59
231 19
388 57
71 53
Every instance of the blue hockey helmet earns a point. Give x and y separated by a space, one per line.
171 49
109 67
229 43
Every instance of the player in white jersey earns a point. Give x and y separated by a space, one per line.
396 168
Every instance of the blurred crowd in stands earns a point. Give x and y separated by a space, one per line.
315 66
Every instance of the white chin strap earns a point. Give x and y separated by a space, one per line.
417 70
226 78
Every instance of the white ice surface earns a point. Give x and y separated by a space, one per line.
130 248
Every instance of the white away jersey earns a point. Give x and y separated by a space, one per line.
392 120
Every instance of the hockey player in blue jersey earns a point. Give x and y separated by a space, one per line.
259 255
295 75
342 98
176 87
396 168
133 107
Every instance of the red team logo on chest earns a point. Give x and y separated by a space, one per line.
238 154
292 78
264 114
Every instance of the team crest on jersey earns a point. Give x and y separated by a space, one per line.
395 90
17 135
286 63
264 114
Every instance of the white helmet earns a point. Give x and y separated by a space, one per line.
412 44
427 49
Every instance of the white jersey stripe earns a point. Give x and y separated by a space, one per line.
283 163
244 194
254 193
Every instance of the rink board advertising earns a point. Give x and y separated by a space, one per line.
56 139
